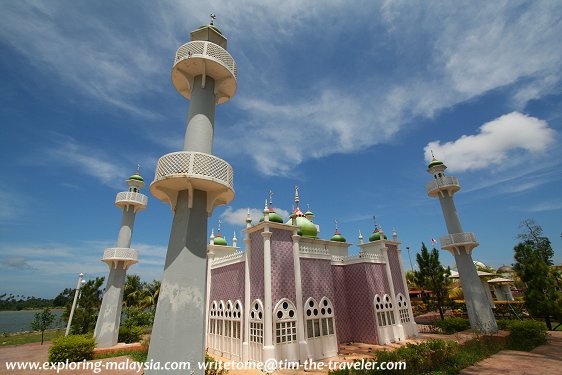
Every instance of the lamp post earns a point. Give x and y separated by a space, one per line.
78 287
411 267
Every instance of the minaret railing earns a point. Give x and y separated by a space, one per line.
442 182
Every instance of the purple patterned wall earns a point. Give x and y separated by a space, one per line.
227 283
344 330
360 296
256 266
282 266
316 275
376 279
395 270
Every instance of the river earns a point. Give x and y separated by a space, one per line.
17 321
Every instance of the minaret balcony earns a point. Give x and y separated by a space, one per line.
131 198
208 59
190 170
453 242
113 255
445 183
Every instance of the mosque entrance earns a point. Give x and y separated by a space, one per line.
320 329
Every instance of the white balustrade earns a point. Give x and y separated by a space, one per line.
207 50
442 183
132 198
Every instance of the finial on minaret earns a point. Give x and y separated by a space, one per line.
297 199
234 239
336 222
375 222
360 237
394 234
212 237
432 156
213 18
265 212
270 198
219 229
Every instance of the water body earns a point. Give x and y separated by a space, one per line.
18 321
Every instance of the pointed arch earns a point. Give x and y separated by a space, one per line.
285 317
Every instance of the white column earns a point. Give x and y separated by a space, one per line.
247 308
210 258
413 326
303 345
399 331
268 348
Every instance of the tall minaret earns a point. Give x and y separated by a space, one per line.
118 259
193 182
460 244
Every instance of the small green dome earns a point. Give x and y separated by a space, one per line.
306 227
337 237
434 162
376 235
137 177
273 216
219 240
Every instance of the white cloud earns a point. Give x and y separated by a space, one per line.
15 262
238 217
545 206
495 143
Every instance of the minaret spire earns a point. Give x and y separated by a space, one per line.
297 199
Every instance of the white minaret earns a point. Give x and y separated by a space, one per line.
119 259
193 182
461 244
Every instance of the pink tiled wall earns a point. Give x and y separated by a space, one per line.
395 270
344 331
316 275
256 266
282 266
227 283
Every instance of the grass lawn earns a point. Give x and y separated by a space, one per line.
26 338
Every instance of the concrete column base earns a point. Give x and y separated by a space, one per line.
109 318
245 351
303 352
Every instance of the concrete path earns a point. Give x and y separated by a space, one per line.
544 360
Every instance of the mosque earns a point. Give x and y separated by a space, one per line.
290 295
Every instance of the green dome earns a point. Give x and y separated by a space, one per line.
219 241
273 216
308 213
306 227
376 235
434 162
337 237
137 177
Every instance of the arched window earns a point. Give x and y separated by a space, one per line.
236 316
213 317
383 311
319 317
403 308
285 322
256 322
220 319
228 319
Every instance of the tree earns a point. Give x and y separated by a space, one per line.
542 294
64 298
43 321
432 276
86 312
533 235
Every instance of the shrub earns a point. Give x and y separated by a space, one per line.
526 335
130 334
504 324
74 348
453 324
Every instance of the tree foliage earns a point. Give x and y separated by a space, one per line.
533 258
43 320
432 276
86 312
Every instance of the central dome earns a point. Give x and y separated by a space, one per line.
306 227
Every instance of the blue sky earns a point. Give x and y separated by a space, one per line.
343 100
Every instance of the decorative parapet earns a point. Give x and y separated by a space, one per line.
188 170
449 183
454 241
113 255
362 257
228 259
138 200
208 59
314 251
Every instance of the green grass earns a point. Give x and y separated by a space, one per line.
139 356
27 338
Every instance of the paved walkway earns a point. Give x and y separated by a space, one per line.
544 360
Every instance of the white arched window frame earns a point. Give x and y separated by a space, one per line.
285 315
256 322
319 317
384 310
403 308
220 320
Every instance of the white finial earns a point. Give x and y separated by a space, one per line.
360 237
265 212
138 169
270 198
212 237
234 239
394 234
336 222
219 227
432 156
213 18
297 199
248 219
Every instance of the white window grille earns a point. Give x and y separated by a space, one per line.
384 311
256 322
403 308
319 318
285 322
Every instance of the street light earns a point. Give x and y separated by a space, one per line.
411 267
81 282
